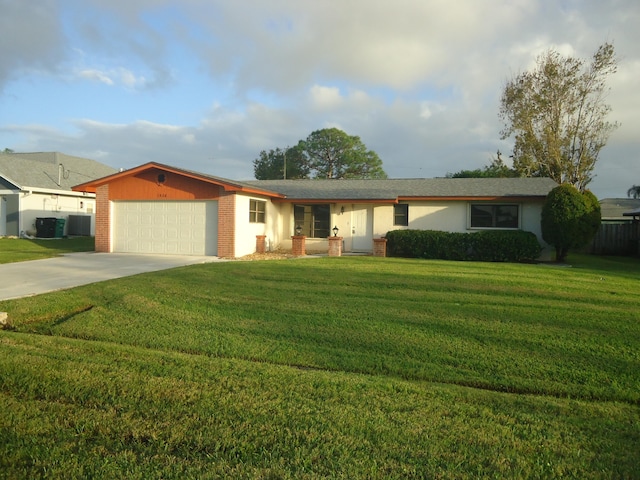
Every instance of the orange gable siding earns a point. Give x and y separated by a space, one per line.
156 184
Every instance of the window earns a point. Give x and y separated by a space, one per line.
313 219
257 210
494 216
401 214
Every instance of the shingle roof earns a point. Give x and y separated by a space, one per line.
42 170
391 189
615 208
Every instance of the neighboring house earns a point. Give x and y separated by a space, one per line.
618 233
613 210
633 214
156 208
38 185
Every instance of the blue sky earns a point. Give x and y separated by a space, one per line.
207 84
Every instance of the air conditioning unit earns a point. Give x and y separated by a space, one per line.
79 225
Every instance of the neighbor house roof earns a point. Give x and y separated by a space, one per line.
49 170
632 213
393 190
616 208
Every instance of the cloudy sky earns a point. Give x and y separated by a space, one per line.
207 84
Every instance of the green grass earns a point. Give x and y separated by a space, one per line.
332 367
20 249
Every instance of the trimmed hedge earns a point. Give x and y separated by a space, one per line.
483 246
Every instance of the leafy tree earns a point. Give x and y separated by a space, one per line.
496 169
557 114
7 150
634 192
570 219
331 153
271 165
327 153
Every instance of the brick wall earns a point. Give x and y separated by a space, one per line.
226 225
335 246
379 247
298 247
261 244
103 213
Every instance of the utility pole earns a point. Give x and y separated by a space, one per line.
285 163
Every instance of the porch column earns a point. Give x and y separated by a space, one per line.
335 246
297 245
379 247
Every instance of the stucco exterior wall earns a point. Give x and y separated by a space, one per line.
450 216
36 205
246 231
274 227
10 219
530 219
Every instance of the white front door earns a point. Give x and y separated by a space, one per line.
362 228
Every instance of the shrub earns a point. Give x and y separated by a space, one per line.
593 216
505 246
486 245
570 219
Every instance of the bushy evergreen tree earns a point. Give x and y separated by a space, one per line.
570 219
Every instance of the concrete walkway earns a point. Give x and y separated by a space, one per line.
23 279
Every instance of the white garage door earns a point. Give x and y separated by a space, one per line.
171 227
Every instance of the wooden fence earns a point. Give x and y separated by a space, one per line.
616 239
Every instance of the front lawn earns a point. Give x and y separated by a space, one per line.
353 367
22 249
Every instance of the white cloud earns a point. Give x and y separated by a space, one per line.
96 75
119 76
323 98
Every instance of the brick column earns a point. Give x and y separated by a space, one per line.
297 245
226 224
103 220
379 247
335 246
261 244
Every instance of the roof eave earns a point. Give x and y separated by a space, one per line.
470 198
334 200
12 182
226 185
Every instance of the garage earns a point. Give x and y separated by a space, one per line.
166 227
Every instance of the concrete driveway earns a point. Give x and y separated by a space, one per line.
23 279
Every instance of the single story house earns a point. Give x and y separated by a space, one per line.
34 185
156 208
614 210
634 214
618 232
